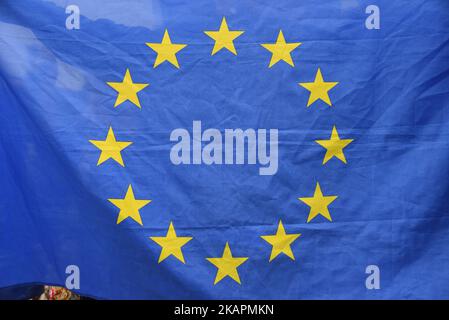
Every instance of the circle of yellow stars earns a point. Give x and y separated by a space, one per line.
171 244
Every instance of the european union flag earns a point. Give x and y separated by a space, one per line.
225 149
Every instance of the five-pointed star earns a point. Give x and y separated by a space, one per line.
318 89
223 38
334 146
129 206
127 90
281 242
171 244
318 204
110 148
227 265
166 50
281 50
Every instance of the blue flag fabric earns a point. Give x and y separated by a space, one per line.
124 173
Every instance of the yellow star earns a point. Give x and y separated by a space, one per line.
227 265
334 146
166 50
129 206
318 89
281 242
127 90
223 38
281 50
318 204
171 244
110 148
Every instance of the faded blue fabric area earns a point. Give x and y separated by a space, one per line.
392 99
